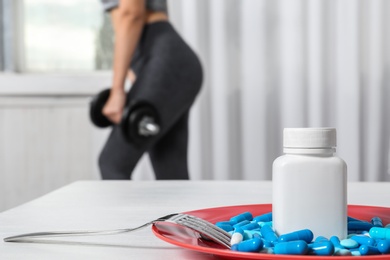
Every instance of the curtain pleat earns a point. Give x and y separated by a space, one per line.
271 64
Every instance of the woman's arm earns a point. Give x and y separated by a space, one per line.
128 21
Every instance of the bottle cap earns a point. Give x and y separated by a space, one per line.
315 138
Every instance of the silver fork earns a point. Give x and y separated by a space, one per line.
204 228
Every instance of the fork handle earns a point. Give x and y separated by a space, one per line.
29 237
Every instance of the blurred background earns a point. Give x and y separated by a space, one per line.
269 64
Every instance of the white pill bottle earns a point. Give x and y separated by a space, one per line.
310 184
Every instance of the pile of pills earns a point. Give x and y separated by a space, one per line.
255 234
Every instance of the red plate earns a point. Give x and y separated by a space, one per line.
189 239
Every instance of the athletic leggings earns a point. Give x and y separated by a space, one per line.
169 76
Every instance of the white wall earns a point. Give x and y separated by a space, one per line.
45 144
46 137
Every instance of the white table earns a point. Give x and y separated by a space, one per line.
96 205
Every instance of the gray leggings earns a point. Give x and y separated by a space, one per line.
169 76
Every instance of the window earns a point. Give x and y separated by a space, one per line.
55 36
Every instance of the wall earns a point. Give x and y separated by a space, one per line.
46 140
46 137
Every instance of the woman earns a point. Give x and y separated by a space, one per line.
165 72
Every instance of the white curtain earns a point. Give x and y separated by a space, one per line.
271 64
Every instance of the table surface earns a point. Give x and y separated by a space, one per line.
97 205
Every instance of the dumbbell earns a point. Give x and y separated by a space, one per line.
139 122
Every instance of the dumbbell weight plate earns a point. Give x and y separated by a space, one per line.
132 117
96 107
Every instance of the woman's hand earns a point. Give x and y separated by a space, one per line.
113 108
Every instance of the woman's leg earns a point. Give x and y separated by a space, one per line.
169 77
169 154
118 157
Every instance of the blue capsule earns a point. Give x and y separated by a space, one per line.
380 233
291 248
383 246
225 223
304 234
321 248
377 222
242 223
263 218
252 245
269 234
364 240
267 243
257 234
248 234
359 225
336 242
321 239
368 250
242 217
225 226
250 226
269 223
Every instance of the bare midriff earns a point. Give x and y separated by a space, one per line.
155 16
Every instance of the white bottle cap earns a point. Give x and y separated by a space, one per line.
312 138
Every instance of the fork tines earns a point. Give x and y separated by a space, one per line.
204 227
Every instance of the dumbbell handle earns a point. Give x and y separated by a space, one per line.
147 127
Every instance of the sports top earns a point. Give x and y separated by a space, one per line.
152 5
